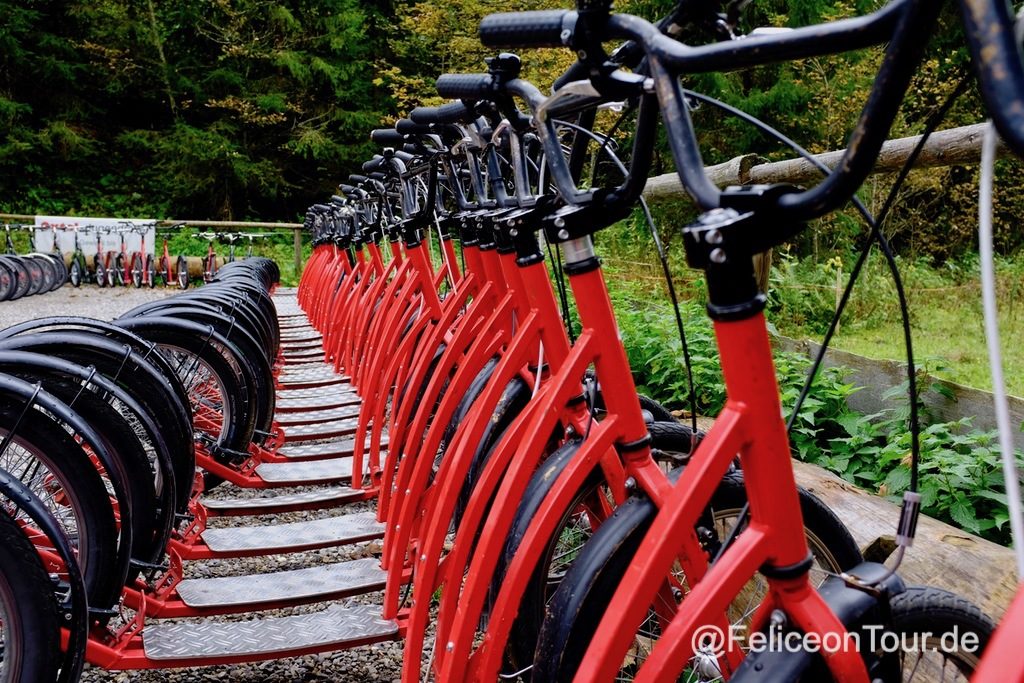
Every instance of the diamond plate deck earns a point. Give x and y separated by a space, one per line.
309 472
325 495
310 584
339 399
332 628
300 334
310 382
310 416
294 536
311 370
337 447
322 430
295 393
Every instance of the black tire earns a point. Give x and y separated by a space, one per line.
75 273
137 266
165 271
99 272
29 619
112 271
206 357
923 610
51 463
183 280
150 272
574 611
119 270
143 379
37 275
8 280
48 269
658 412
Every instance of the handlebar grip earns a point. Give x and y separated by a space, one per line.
404 156
358 179
544 28
336 199
378 176
452 112
465 86
387 137
346 188
407 127
373 164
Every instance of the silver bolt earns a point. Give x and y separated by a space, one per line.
582 54
513 232
778 618
563 234
718 256
630 483
565 36
423 558
559 222
713 237
450 646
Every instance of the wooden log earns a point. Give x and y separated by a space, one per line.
955 146
942 555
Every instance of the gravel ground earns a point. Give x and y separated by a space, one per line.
368 664
87 300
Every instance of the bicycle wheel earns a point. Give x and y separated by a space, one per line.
150 272
933 620
112 272
99 271
75 273
143 375
183 280
165 271
55 467
29 620
119 271
136 268
47 268
576 607
8 280
36 276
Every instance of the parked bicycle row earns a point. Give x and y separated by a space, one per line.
538 517
30 273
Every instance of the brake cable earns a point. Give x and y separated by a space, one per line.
911 499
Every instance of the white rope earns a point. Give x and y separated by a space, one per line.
988 297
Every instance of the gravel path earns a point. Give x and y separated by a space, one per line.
379 663
87 300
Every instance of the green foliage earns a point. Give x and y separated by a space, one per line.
205 108
960 473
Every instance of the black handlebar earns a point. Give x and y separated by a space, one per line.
407 127
387 137
545 28
465 86
452 112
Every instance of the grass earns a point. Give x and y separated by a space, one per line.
945 306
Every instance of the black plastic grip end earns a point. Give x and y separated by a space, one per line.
387 137
407 127
545 28
453 112
357 179
465 86
372 165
